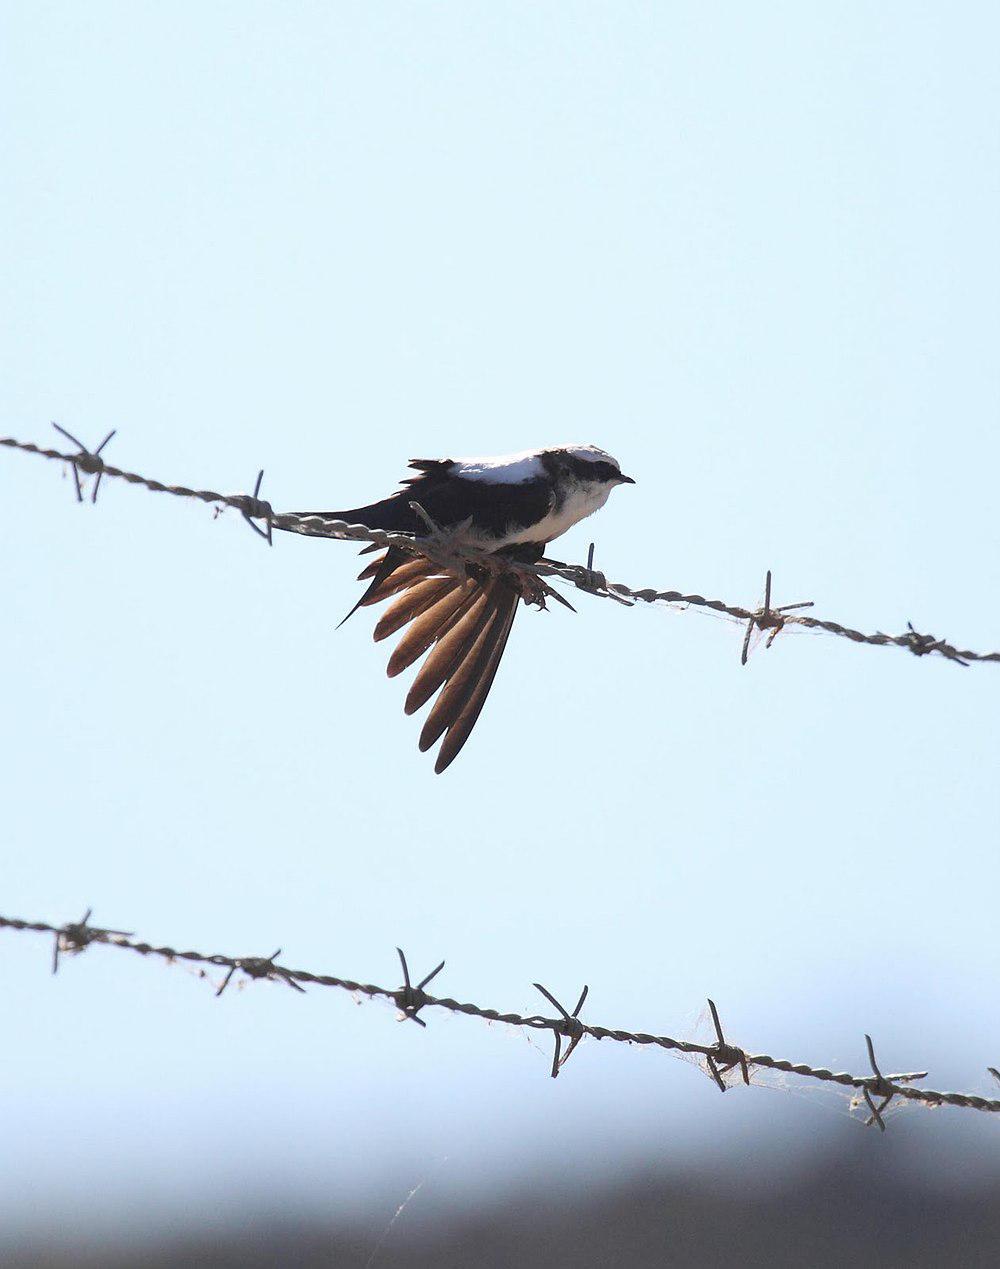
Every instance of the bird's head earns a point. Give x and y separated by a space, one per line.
585 467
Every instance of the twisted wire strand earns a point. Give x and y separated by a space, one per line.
449 557
77 936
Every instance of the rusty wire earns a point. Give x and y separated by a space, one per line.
875 1091
448 556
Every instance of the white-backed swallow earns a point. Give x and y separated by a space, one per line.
510 507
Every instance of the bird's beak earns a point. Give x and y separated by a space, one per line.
625 480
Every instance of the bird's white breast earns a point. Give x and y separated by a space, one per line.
580 502
572 501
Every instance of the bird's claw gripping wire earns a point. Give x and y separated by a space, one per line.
444 543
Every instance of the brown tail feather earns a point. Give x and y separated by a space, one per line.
429 627
461 729
414 601
464 681
370 569
399 577
461 624
385 566
448 652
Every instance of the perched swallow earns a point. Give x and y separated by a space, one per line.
508 507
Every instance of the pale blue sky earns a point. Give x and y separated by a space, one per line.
753 253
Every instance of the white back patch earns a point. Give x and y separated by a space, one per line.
506 469
513 469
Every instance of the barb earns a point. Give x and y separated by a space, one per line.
571 1027
77 936
262 511
87 461
768 618
883 1088
260 967
720 1056
412 999
726 1056
583 577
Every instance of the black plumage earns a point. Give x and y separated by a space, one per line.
449 500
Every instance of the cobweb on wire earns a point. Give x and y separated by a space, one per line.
824 1095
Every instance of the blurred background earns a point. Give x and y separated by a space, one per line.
750 251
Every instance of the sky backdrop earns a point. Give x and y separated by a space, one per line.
752 252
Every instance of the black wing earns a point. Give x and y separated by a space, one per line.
450 500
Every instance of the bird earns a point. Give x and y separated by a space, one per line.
507 509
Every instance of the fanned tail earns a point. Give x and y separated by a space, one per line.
462 624
388 573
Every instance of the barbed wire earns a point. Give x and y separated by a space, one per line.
726 1063
445 553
